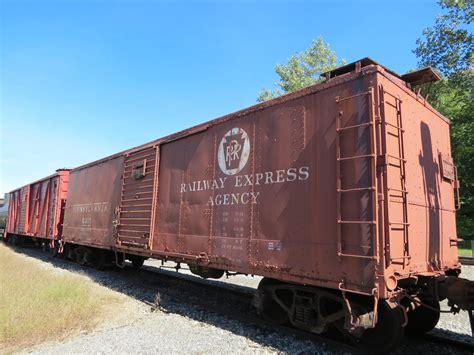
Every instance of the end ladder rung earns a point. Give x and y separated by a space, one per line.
356 222
401 257
398 190
395 165
399 223
397 196
357 157
371 257
398 158
357 189
395 126
340 129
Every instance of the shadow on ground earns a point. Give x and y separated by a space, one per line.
223 305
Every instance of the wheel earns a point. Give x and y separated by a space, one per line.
423 319
17 241
387 333
137 261
206 272
90 257
54 251
100 261
269 308
80 256
70 252
379 340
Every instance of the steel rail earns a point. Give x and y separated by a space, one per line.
466 260
245 295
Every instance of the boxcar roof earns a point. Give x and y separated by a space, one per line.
39 180
334 77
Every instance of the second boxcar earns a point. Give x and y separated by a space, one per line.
36 210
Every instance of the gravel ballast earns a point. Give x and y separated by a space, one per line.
194 320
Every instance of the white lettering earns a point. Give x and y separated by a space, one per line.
254 197
259 176
268 177
304 173
248 180
235 199
291 175
90 207
226 199
222 181
280 175
238 181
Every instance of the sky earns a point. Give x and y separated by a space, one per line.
81 80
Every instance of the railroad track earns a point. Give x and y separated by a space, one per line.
466 260
458 344
234 302
240 298
332 339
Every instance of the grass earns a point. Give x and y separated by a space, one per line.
38 304
465 252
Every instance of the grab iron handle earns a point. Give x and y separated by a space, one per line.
457 200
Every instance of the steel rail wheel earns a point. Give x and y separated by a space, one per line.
423 319
384 337
269 308
137 261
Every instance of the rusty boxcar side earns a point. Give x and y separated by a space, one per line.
317 193
94 193
309 188
37 209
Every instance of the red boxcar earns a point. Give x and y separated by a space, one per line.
311 187
93 197
344 188
37 209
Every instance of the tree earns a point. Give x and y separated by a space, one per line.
447 46
302 69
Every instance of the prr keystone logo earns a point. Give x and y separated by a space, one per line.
234 151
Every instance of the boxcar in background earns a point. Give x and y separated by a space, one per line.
36 210
101 194
93 197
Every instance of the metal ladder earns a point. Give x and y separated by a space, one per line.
398 192
340 130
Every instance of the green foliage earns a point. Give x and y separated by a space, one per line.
302 69
447 46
